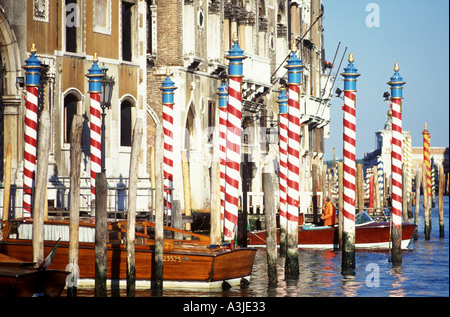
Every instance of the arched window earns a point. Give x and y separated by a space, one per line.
125 123
70 110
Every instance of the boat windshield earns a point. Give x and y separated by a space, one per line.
362 217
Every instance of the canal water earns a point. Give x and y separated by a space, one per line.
424 272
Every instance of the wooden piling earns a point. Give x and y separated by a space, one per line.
360 187
76 133
7 188
101 234
186 187
426 204
417 198
271 228
177 218
341 201
316 219
441 200
215 232
132 199
159 206
41 185
405 193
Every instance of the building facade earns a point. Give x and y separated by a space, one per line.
191 38
66 34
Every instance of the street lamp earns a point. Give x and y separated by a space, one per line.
105 103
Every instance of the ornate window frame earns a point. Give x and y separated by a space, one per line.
106 27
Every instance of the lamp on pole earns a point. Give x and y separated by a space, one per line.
105 103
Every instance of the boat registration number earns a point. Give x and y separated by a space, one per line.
171 258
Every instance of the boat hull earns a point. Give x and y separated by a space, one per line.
375 235
186 262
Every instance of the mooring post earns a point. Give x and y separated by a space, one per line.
282 102
396 84
76 133
215 232
441 200
131 215
417 198
294 67
426 204
233 151
222 94
349 134
159 206
41 186
359 187
186 188
101 234
33 72
95 76
340 171
168 88
426 183
7 188
271 227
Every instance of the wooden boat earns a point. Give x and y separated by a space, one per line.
187 263
369 234
24 279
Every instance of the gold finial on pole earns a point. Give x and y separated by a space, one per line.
167 72
293 47
350 58
425 127
33 48
396 68
95 57
235 38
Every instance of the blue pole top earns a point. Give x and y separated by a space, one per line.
223 95
168 87
236 56
33 68
294 66
396 84
350 74
95 76
282 101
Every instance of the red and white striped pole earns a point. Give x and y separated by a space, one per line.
294 66
233 152
223 98
33 69
282 101
95 76
349 162
168 88
427 187
396 84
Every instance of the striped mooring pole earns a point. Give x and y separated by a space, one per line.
396 84
427 187
222 92
349 135
294 67
168 88
282 102
33 75
95 76
233 151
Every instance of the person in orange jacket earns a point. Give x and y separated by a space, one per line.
329 212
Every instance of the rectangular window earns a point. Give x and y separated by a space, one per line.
125 123
102 16
71 25
127 30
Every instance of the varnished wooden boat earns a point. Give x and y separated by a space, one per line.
369 234
187 263
24 279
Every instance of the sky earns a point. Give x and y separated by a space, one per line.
380 33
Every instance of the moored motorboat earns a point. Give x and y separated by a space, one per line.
369 234
25 279
189 261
